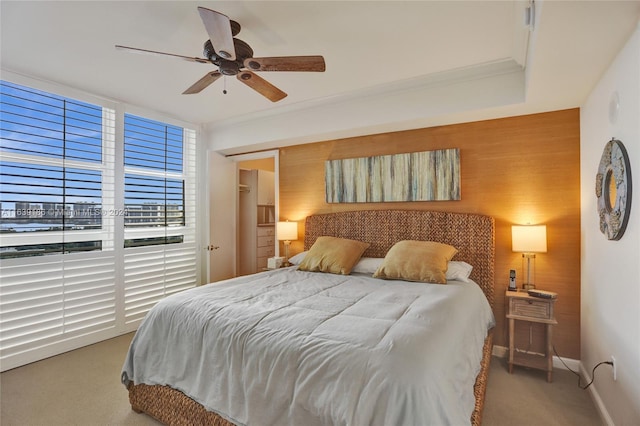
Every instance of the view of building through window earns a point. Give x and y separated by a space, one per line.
151 148
55 169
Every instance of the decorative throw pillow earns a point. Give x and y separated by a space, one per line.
333 255
422 261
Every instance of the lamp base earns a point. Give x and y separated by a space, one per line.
528 284
286 262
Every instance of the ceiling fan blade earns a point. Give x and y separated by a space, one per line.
153 52
203 83
286 63
219 29
261 86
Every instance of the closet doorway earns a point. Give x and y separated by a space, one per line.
257 210
226 246
256 214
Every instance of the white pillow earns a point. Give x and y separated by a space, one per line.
367 265
298 258
458 270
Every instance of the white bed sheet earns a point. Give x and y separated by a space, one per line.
287 347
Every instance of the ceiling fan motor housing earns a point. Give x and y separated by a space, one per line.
228 67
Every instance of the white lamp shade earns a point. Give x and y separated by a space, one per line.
287 231
529 238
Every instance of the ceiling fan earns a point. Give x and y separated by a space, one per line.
235 57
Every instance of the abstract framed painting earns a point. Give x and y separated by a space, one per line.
416 176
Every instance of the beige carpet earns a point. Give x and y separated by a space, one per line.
83 387
80 387
525 398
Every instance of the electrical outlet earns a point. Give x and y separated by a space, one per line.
615 372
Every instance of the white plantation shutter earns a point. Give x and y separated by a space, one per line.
190 186
89 292
108 178
154 272
65 295
31 304
57 153
55 304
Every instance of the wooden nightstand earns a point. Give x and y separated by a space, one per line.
523 307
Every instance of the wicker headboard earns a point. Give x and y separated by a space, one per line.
472 234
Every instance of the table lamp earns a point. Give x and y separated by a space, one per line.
528 240
287 232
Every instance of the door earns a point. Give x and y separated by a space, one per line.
222 217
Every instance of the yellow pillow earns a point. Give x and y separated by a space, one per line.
422 261
333 255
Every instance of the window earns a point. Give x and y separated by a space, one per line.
51 172
58 270
154 180
159 200
91 237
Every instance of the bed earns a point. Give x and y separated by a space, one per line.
372 359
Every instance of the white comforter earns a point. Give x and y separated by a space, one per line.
287 347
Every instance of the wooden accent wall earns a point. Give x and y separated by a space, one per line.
519 170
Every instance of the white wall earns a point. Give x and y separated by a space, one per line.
407 104
610 292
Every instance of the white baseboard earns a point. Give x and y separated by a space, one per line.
573 364
500 351
576 366
595 396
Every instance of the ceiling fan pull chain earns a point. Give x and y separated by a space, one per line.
224 90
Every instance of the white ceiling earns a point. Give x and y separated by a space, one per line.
367 46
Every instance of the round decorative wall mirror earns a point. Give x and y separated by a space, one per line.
613 189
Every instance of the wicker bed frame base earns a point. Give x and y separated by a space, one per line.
172 407
473 234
